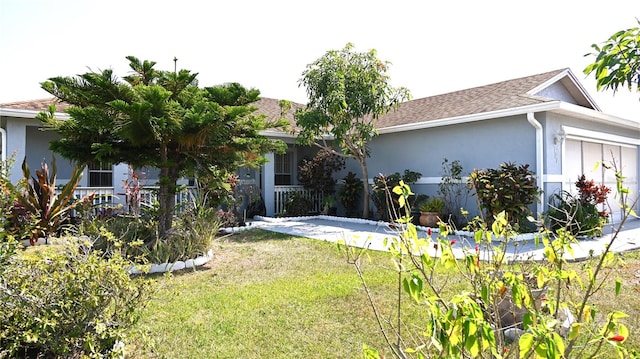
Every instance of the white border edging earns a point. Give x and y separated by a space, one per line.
519 238
170 267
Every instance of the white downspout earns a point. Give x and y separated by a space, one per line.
539 157
3 147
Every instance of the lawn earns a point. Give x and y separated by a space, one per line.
271 295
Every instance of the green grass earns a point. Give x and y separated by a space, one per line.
271 295
267 295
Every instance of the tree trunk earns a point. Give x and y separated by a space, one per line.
167 192
166 199
365 187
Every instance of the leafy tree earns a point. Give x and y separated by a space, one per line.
161 119
617 61
347 93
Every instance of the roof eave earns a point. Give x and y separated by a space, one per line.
546 106
568 73
12 112
551 106
596 116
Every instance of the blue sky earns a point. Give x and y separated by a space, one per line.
434 46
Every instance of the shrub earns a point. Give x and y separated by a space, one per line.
453 189
579 214
316 174
39 208
432 204
297 204
516 310
191 236
67 301
509 188
349 194
384 199
8 199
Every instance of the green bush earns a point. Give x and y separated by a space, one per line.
39 208
191 235
522 309
298 204
509 188
579 213
349 194
67 301
382 195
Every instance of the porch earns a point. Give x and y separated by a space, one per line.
282 194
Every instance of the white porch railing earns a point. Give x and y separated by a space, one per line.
106 196
282 194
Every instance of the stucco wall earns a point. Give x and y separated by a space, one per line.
482 144
37 150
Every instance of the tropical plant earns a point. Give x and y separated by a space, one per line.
349 193
511 310
453 189
432 204
8 195
298 204
160 119
347 93
384 199
133 192
579 214
509 188
329 205
316 174
40 204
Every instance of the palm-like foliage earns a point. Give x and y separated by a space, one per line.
42 204
160 119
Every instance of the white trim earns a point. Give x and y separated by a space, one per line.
11 112
575 133
429 180
547 106
560 107
3 146
558 79
553 178
539 158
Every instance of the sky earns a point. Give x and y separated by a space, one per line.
434 47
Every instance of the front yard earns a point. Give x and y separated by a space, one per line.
271 295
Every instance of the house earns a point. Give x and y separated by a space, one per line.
547 120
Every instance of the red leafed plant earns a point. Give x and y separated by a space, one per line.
40 203
590 192
579 213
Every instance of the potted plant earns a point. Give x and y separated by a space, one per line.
430 211
329 207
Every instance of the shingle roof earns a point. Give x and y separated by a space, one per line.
266 106
498 96
493 97
36 105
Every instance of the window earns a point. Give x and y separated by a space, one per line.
283 169
100 174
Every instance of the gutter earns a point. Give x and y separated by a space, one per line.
539 157
550 106
11 112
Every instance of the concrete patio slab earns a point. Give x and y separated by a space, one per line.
371 234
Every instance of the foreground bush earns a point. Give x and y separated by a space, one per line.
67 301
521 309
